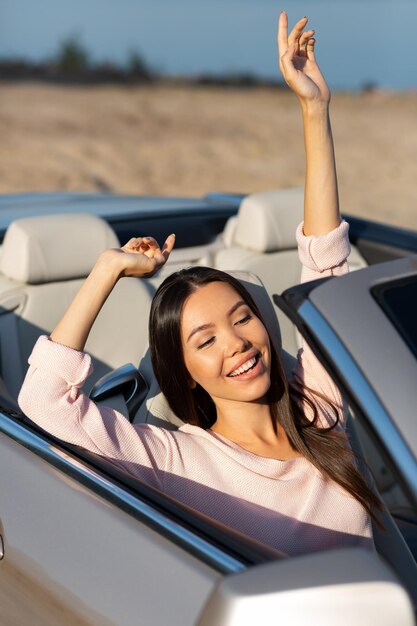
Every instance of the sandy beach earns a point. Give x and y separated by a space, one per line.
191 140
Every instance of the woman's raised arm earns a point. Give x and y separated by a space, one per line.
140 257
302 74
323 242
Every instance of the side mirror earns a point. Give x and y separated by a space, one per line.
126 381
341 586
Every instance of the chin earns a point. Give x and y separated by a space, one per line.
258 393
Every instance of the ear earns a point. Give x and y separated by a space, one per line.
192 384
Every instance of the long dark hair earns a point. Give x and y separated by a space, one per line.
326 448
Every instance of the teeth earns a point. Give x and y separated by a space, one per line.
244 368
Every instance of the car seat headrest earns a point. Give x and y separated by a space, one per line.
49 248
267 221
256 288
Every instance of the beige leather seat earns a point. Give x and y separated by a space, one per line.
261 240
43 263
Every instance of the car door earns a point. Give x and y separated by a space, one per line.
78 548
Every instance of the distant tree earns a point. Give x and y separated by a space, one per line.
137 66
369 86
72 56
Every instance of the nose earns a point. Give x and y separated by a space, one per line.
235 343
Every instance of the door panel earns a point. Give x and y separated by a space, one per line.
69 551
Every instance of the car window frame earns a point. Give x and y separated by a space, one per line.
296 305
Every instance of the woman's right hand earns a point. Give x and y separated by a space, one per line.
140 256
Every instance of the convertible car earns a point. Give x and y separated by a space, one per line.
82 542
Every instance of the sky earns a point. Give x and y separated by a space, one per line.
358 41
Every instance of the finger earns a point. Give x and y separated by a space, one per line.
310 50
297 30
161 256
133 243
282 33
150 248
303 41
144 245
287 60
151 242
168 246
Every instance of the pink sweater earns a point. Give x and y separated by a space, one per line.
287 504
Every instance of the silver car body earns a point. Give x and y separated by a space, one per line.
82 544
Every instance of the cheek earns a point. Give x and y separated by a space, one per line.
204 366
261 337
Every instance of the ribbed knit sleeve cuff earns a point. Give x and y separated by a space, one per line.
320 253
67 363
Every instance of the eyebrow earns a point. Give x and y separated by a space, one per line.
197 329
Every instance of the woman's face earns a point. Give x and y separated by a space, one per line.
226 348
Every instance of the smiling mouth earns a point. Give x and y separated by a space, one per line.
245 367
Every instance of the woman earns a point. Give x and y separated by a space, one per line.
267 457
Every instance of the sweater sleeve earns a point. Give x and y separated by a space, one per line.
321 256
51 397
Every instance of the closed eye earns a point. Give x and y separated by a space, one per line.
206 343
241 321
245 319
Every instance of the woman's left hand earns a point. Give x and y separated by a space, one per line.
298 64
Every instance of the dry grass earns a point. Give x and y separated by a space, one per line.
187 141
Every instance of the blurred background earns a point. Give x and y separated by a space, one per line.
184 97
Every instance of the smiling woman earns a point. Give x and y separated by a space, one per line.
262 453
224 361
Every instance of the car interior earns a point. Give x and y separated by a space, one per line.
40 272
